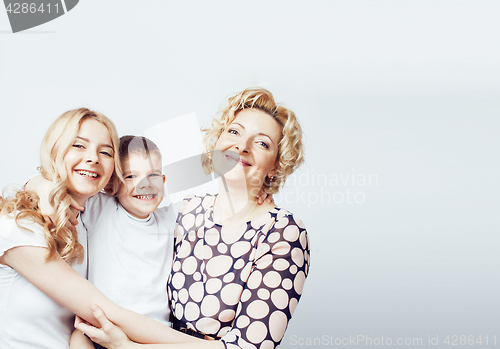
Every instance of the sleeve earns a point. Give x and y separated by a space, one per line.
274 287
12 235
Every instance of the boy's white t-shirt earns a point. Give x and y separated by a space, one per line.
28 318
130 259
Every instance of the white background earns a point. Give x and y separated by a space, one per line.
404 91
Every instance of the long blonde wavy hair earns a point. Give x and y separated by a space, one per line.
290 149
56 143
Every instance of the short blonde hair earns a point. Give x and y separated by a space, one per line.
290 150
56 143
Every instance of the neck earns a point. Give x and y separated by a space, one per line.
80 199
233 203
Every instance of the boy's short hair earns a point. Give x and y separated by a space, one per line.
138 145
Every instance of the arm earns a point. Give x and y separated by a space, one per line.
112 337
64 285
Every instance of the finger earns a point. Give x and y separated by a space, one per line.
75 205
261 197
70 226
72 214
101 317
79 320
89 330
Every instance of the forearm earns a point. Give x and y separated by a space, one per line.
204 344
142 329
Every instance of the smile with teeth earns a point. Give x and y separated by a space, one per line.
87 174
145 197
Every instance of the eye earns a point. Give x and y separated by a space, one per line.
233 131
263 144
130 177
76 145
154 175
106 153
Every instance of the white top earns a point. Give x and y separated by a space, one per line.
130 258
28 318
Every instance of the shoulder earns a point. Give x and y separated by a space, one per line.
22 232
290 230
194 202
285 218
98 201
97 208
9 224
166 214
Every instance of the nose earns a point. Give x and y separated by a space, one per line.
242 146
92 157
144 183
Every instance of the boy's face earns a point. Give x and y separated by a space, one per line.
143 189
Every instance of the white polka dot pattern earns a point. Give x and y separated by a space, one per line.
241 282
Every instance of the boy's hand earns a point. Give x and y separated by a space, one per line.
42 188
73 212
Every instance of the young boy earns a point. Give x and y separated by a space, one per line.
130 242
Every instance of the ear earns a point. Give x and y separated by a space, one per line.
163 179
274 171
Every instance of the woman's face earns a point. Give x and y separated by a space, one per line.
249 147
89 161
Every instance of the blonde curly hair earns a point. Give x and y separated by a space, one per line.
290 150
56 143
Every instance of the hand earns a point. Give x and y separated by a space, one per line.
263 196
73 212
72 215
42 188
79 341
109 335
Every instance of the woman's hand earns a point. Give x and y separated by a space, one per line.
263 196
109 335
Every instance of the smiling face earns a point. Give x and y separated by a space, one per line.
143 190
249 145
89 161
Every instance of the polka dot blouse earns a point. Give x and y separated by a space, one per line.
239 282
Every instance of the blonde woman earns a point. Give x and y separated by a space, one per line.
239 267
